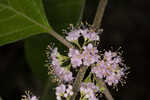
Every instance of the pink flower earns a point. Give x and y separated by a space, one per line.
91 35
89 90
76 57
109 68
60 72
73 35
63 91
99 69
90 55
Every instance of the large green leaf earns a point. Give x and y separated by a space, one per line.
60 14
20 19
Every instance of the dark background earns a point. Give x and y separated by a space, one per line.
126 24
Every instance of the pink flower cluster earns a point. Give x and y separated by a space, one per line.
104 66
63 91
62 73
90 55
74 34
87 57
109 69
88 91
76 57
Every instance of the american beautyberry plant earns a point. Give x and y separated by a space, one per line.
81 72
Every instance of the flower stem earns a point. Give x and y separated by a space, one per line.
99 14
105 91
61 39
78 81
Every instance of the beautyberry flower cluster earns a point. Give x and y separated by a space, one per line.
74 34
87 57
88 91
107 66
62 73
63 91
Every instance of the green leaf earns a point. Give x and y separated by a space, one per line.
20 19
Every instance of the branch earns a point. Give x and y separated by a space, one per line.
99 14
106 91
61 39
78 81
